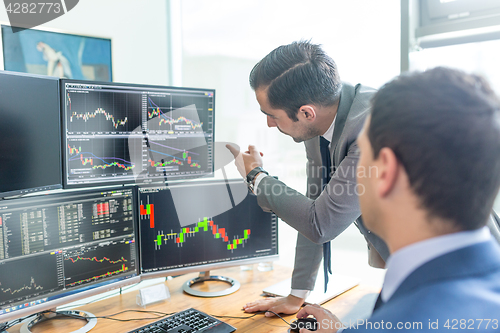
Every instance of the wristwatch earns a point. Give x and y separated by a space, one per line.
251 176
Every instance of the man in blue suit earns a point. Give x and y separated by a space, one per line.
430 170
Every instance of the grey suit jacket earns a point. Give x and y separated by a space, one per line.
321 216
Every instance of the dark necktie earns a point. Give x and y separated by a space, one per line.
378 303
327 166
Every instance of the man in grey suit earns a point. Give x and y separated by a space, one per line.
299 90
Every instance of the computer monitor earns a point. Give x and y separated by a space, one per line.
30 134
124 133
57 248
200 226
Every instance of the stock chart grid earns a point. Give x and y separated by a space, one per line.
63 242
183 226
124 133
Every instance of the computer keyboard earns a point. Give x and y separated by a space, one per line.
187 321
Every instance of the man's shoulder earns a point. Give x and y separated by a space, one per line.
360 90
358 95
363 96
463 284
467 298
360 104
364 89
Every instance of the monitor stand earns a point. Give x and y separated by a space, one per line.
205 276
43 316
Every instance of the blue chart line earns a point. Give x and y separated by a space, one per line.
159 112
90 160
187 151
179 158
151 103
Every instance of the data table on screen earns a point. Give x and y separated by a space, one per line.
60 245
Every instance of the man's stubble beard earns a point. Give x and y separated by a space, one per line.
310 133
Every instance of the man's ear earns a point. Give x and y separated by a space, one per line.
307 112
388 165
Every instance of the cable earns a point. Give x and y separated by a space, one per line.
256 313
158 315
101 298
8 325
109 317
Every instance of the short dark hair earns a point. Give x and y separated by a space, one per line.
444 127
297 74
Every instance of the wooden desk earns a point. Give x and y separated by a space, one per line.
252 283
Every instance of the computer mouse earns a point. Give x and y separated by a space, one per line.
308 323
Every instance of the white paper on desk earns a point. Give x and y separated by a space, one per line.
338 284
153 294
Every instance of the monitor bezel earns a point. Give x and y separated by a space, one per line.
152 181
208 267
52 304
203 267
84 291
47 187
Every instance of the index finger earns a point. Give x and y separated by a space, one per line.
235 151
308 310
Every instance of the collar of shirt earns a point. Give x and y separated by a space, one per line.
406 260
329 132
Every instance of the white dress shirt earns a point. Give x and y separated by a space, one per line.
329 133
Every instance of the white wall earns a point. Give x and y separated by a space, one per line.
362 36
138 30
222 40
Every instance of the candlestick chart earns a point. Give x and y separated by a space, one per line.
186 155
219 233
98 262
207 224
179 114
102 112
88 240
100 157
135 134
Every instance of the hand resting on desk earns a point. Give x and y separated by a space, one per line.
288 305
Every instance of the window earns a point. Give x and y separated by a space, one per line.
479 58
222 42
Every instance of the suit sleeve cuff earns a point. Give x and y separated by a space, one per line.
300 293
258 179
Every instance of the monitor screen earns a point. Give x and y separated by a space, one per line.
203 226
120 133
60 247
30 134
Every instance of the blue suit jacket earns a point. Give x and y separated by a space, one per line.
452 292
